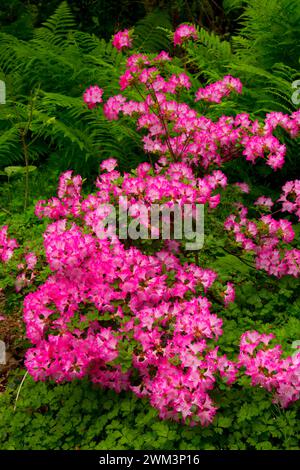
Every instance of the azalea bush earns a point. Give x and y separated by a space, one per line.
145 315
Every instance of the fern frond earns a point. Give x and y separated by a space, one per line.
10 148
210 55
150 32
56 28
269 32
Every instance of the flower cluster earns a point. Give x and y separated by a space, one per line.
266 238
92 96
290 197
289 123
183 33
27 274
178 132
122 40
167 186
68 200
7 245
218 90
243 187
132 321
268 369
102 297
264 202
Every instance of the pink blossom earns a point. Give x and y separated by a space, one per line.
184 32
264 238
7 245
31 260
113 107
122 40
92 96
290 197
163 56
244 187
268 369
216 91
264 202
109 164
229 294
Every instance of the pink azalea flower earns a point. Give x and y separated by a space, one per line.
184 32
7 245
92 96
122 40
244 187
109 164
264 202
229 294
